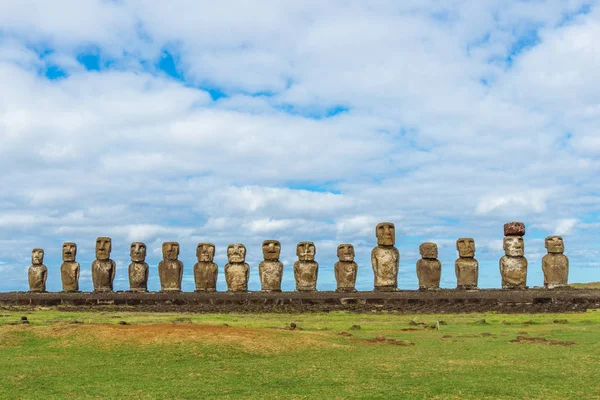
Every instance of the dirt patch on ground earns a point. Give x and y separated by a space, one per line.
475 335
541 340
382 340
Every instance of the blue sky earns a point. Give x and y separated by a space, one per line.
193 121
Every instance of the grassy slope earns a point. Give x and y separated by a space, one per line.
590 285
164 356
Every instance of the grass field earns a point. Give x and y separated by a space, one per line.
189 356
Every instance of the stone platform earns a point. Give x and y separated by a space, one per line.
409 301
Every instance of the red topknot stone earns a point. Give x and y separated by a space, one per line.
514 229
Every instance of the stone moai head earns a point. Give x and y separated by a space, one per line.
170 251
428 250
37 256
137 252
514 246
271 249
345 252
465 247
69 251
205 252
103 248
386 234
306 251
236 253
555 244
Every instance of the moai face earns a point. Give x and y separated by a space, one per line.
555 244
306 251
37 256
170 251
69 251
271 249
465 247
345 252
137 251
236 253
514 246
428 250
205 252
103 248
386 234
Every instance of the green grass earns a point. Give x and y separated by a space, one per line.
191 356
590 285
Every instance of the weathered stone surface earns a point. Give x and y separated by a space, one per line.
205 270
466 266
237 272
270 270
429 268
170 269
345 269
103 268
385 258
513 265
306 269
514 229
138 269
37 273
69 269
555 264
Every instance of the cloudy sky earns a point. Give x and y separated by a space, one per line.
239 121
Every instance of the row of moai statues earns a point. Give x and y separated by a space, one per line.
385 260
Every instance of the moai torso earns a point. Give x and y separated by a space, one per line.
205 270
138 269
37 273
385 258
70 269
103 268
345 269
237 272
429 268
306 269
170 269
466 266
270 270
555 264
513 265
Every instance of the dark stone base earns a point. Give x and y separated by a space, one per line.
386 289
346 290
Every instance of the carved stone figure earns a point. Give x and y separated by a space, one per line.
205 270
138 269
345 269
555 264
271 269
70 269
513 265
237 272
38 273
103 268
306 269
170 269
385 258
429 268
466 266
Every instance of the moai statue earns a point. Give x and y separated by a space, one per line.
466 266
170 269
138 269
513 265
38 272
429 268
70 269
345 269
205 270
237 272
555 264
103 268
306 269
270 269
385 258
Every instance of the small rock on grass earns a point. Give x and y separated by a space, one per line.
481 322
123 323
355 327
